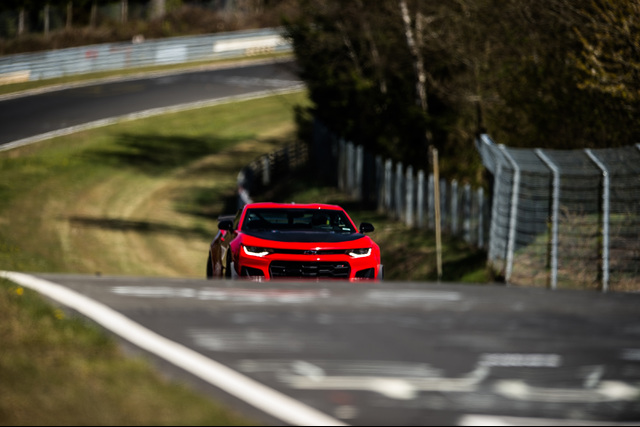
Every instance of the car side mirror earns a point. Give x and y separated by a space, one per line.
365 227
226 225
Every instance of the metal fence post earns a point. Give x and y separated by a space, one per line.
359 171
555 211
444 206
494 226
388 178
380 177
480 196
606 206
454 207
342 165
409 197
515 190
350 167
466 213
420 199
398 191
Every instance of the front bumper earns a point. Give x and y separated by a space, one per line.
309 267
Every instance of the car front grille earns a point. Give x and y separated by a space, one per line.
339 270
310 252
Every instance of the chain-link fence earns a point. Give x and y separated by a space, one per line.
565 218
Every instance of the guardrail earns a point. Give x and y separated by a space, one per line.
140 53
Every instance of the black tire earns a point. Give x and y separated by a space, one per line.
227 269
209 267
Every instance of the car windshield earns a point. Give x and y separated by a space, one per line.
324 220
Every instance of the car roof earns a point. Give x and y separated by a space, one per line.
270 205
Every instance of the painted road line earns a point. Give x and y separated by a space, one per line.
258 395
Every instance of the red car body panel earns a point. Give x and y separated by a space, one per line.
290 242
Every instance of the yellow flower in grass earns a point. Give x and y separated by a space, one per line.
59 314
19 291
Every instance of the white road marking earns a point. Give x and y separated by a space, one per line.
255 340
607 391
399 388
262 397
258 296
309 370
594 376
371 368
155 291
493 420
511 360
394 296
631 354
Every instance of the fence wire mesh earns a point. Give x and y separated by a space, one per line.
565 218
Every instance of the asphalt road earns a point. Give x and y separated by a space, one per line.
47 111
387 353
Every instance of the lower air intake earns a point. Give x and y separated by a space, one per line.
338 270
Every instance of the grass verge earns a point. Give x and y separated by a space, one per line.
59 370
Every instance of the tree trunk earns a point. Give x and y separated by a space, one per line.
21 20
46 19
69 15
124 11
94 14
158 8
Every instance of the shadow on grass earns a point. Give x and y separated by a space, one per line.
156 154
210 203
454 270
205 203
146 227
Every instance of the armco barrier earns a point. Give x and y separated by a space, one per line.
140 53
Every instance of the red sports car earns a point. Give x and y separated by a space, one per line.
283 240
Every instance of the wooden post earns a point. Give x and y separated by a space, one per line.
436 204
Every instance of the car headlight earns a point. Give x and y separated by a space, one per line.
256 251
359 253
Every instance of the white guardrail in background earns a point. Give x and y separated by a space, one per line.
139 53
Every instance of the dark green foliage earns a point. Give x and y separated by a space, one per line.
360 79
512 68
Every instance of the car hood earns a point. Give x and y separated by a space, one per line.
304 236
